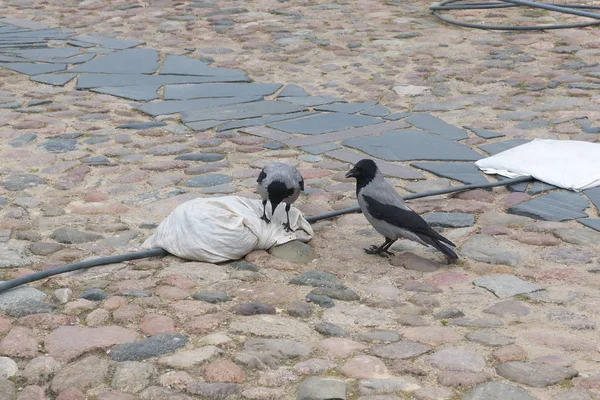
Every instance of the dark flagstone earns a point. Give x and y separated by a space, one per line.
131 61
200 126
396 170
555 206
138 93
518 187
463 172
240 111
377 111
435 125
8 59
34 69
538 187
80 59
292 91
106 42
53 79
170 107
48 54
78 43
181 65
397 116
594 196
261 120
310 101
484 133
213 90
590 223
320 148
142 125
411 144
91 80
498 147
324 123
349 108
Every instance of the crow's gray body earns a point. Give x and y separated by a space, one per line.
383 207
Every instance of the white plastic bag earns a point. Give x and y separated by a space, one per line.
568 164
225 228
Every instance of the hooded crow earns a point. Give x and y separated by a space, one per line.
385 210
279 183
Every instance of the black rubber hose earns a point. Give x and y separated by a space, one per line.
356 209
459 5
36 276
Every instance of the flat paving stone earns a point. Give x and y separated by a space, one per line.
435 125
348 108
590 223
310 101
377 111
93 80
150 347
499 147
534 374
54 79
504 285
411 144
142 125
324 123
538 187
488 249
240 111
157 108
107 42
47 54
248 122
484 133
397 116
594 195
555 206
450 220
130 61
137 93
33 68
320 148
399 171
214 90
292 91
182 65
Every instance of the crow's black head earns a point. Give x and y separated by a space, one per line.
363 170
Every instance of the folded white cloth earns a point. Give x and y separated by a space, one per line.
569 164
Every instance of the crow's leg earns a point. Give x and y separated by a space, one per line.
287 224
381 250
264 216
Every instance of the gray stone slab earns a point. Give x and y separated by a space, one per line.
8 59
348 108
34 69
386 168
504 285
181 65
170 107
91 80
538 187
213 90
54 79
435 125
241 111
310 101
47 54
377 111
200 126
484 133
594 195
590 223
107 42
244 123
498 147
292 91
320 148
138 93
207 180
497 391
397 116
80 59
463 172
555 206
142 125
79 43
131 61
411 144
449 219
324 123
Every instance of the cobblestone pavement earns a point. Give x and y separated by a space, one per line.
90 172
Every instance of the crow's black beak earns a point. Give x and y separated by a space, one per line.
351 173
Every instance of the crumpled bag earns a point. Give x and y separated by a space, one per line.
225 228
568 164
